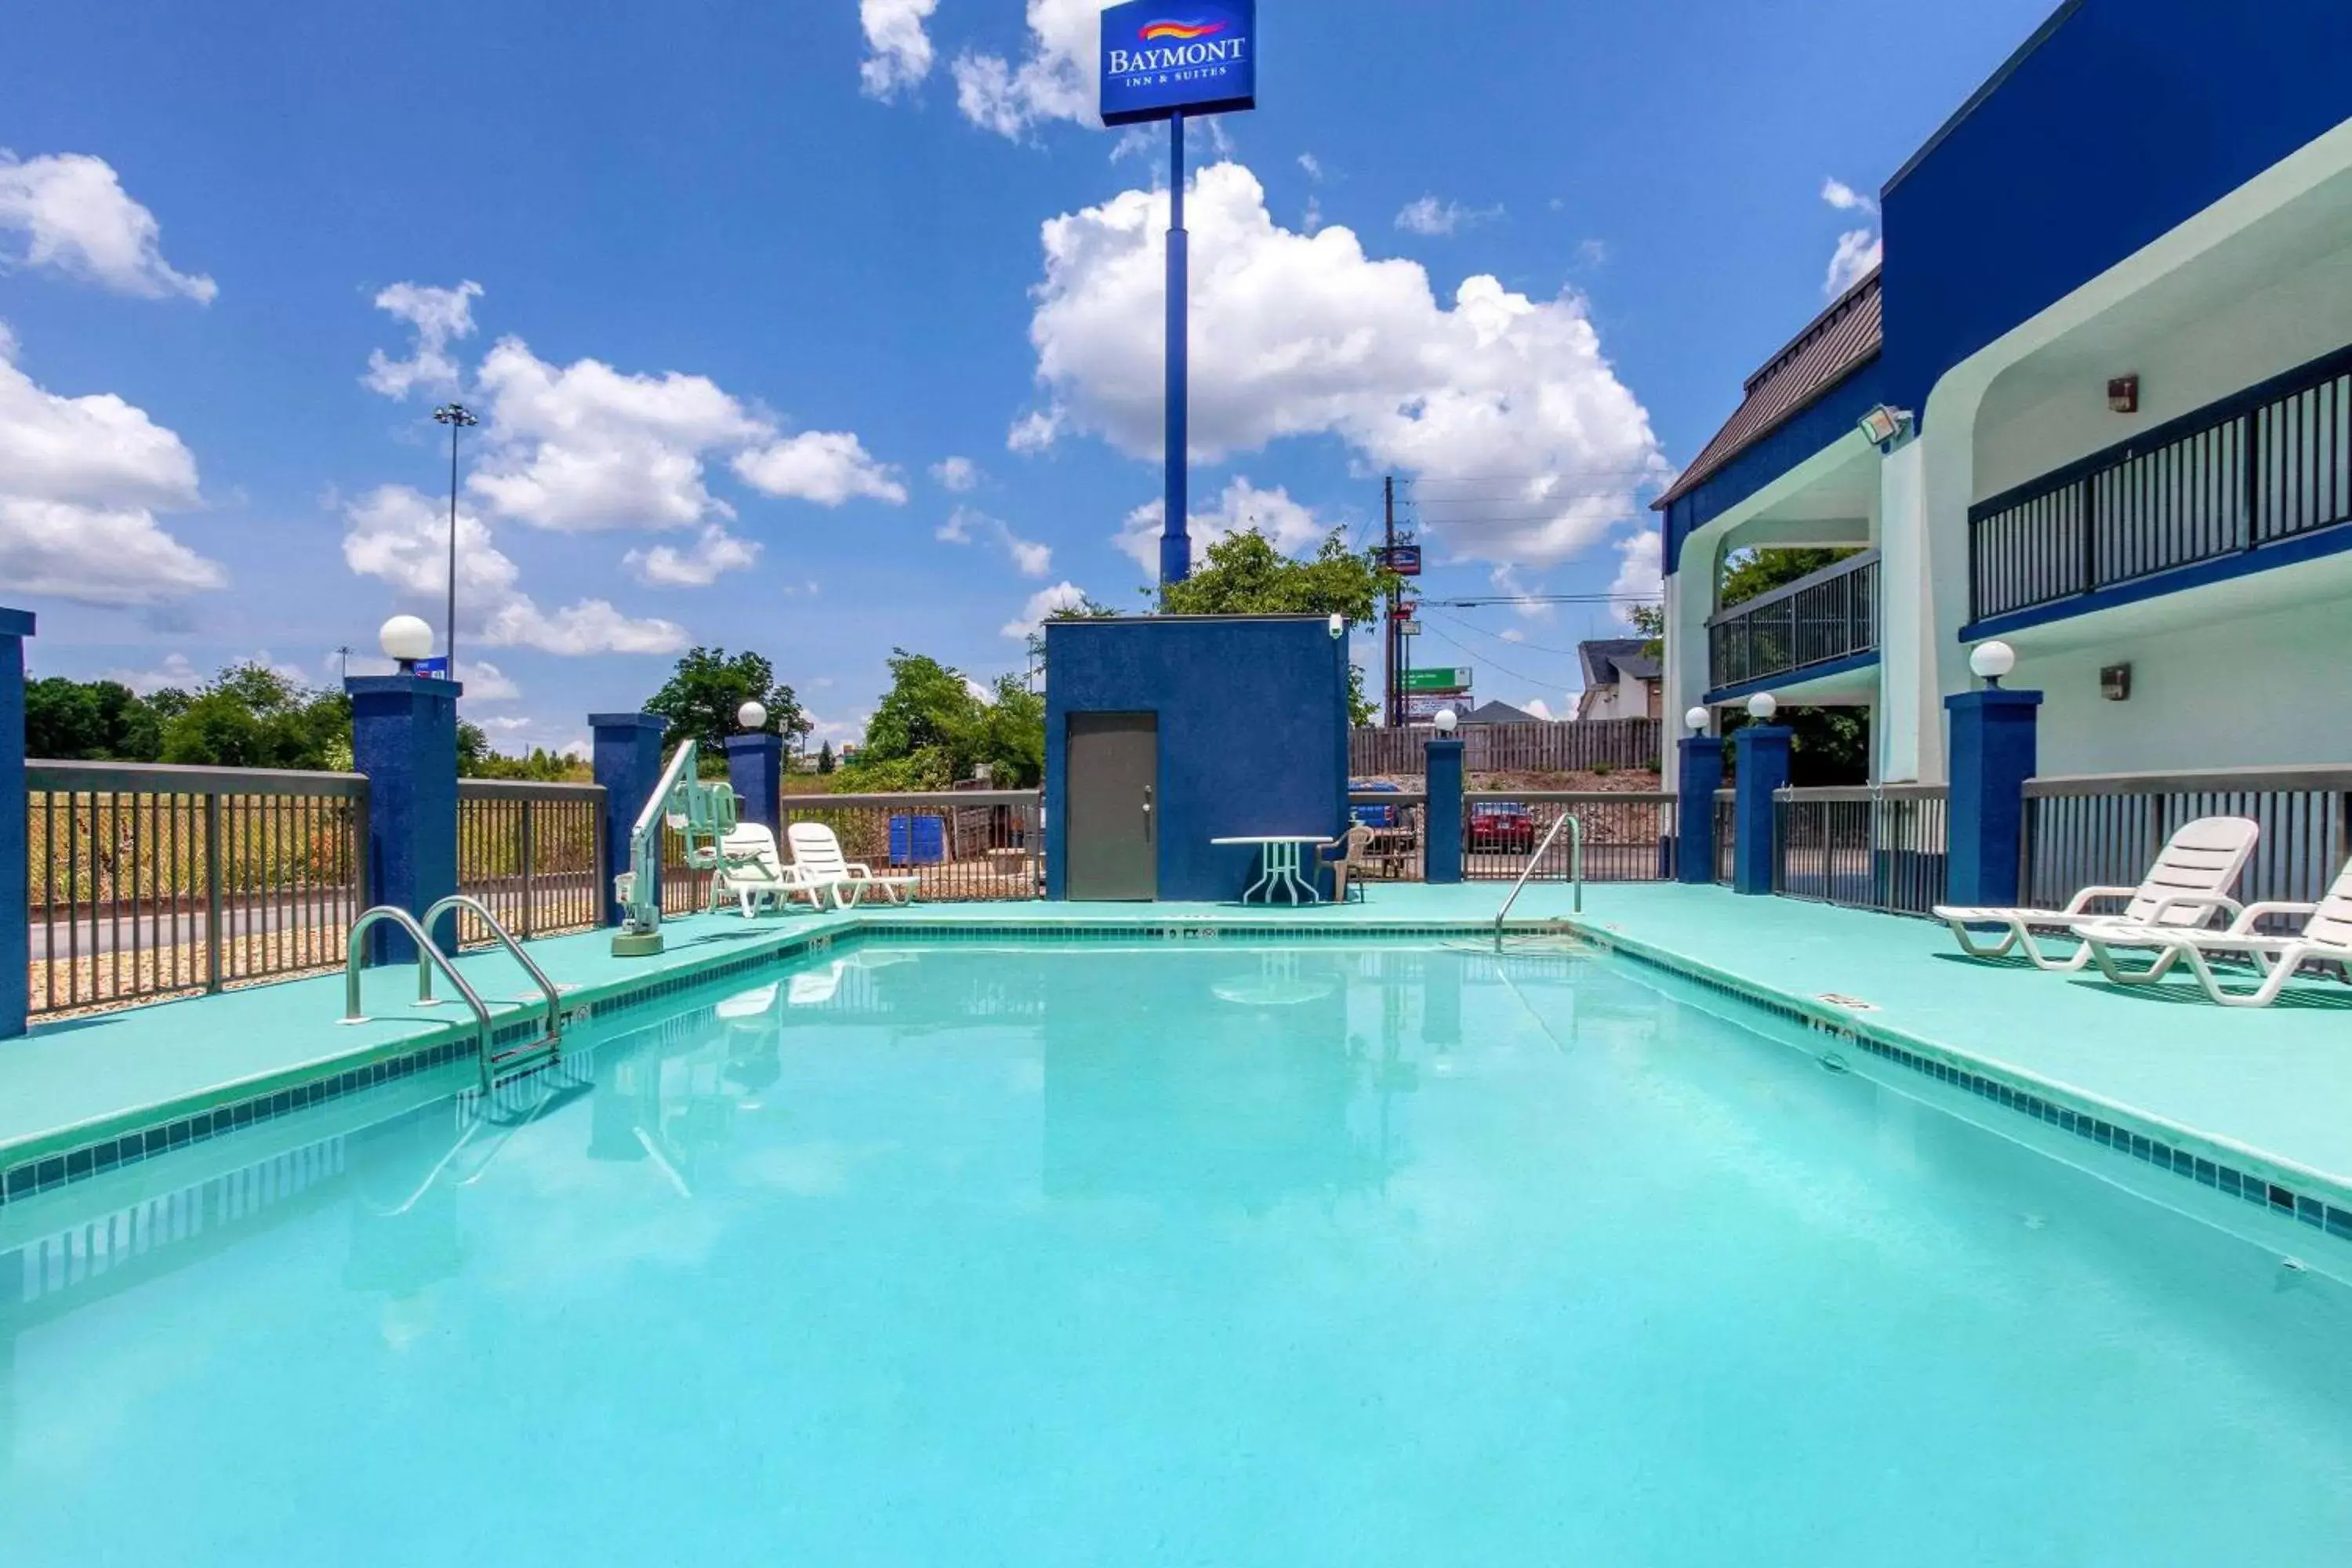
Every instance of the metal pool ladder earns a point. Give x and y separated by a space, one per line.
494 1065
1575 868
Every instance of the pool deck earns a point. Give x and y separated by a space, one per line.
2270 1089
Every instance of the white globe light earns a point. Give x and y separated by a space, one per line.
752 715
1993 660
1697 718
1447 719
406 638
1761 707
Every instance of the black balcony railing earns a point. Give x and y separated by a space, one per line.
2269 464
1830 616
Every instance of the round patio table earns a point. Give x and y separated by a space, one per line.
1278 867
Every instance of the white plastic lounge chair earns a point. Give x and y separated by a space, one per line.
2325 938
751 872
2191 880
816 854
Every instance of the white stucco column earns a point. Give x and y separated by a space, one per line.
1690 599
1909 715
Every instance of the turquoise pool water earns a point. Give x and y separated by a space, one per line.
1216 1252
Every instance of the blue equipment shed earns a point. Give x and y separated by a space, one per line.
1165 731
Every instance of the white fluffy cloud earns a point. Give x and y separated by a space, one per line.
1055 80
76 217
1858 250
1638 575
486 682
439 317
81 481
967 525
827 467
715 552
1430 216
582 447
958 475
1243 505
1063 595
1295 334
585 447
400 537
897 49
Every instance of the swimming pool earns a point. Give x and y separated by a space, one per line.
1231 1251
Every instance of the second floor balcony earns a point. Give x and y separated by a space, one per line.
2219 490
1827 619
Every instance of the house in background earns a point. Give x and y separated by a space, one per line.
1621 680
1499 713
2096 405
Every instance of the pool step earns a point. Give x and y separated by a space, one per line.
516 1061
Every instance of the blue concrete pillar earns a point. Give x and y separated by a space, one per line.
625 752
1761 753
15 864
1702 775
1992 751
755 767
1441 854
404 738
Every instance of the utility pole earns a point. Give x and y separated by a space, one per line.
1393 707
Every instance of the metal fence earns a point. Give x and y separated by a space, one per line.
1398 824
963 845
149 879
1579 746
1726 831
1829 615
1881 847
1628 837
2268 464
2106 829
533 853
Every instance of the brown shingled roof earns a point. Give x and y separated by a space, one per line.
1837 341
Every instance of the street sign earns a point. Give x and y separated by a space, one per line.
1161 59
1404 560
438 665
1421 707
1447 680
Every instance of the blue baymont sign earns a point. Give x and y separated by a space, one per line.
1162 57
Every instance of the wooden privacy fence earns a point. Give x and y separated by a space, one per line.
1586 746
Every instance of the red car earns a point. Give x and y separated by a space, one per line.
1502 826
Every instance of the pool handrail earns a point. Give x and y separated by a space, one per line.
1575 867
505 939
430 954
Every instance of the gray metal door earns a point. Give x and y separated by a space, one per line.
1113 841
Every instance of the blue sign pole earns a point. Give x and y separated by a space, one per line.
1175 542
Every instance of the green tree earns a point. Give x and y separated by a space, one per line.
249 716
703 693
90 720
1748 572
1649 621
1245 575
932 730
825 758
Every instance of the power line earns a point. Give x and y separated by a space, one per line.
1511 642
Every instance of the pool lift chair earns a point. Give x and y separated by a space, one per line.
703 814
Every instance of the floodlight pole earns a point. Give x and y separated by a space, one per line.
456 416
1175 542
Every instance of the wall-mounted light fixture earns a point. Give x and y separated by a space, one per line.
1886 424
2114 682
2122 394
1339 625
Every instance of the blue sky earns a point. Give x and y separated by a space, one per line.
747 277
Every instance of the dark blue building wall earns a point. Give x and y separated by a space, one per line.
1252 718
2120 121
1833 413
